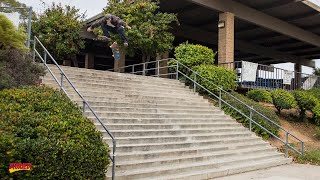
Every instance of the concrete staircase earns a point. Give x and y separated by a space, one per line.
166 131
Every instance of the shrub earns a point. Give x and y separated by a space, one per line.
260 95
283 100
194 55
316 114
43 127
305 100
17 68
257 118
10 37
220 76
315 92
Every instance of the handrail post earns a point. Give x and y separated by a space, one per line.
61 82
34 50
287 148
133 69
113 159
45 57
158 68
195 82
83 106
302 148
144 69
220 98
250 120
177 71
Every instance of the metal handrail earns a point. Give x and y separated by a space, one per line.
84 101
270 77
219 97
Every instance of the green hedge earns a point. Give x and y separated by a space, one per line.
260 95
316 114
283 100
41 126
17 69
257 118
315 92
194 55
224 78
305 100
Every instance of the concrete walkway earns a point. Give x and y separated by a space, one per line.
287 172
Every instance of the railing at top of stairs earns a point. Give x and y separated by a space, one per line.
63 76
159 68
272 78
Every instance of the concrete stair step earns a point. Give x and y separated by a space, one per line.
162 120
165 126
131 100
124 89
167 153
233 144
134 97
156 115
146 110
195 136
147 114
103 92
189 159
111 79
225 170
182 138
172 109
130 84
170 171
99 73
161 132
142 103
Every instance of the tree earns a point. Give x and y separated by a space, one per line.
316 71
150 28
9 36
58 28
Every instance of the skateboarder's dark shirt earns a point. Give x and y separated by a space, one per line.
114 20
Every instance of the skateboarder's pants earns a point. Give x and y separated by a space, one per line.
120 30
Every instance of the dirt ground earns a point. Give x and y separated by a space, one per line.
305 131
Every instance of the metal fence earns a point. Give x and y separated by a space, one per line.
270 77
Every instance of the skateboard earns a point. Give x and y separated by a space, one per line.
114 47
116 51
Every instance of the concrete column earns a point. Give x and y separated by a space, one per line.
226 38
120 62
298 70
163 69
89 61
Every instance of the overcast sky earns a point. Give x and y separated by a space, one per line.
91 7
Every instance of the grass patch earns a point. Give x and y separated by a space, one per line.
310 157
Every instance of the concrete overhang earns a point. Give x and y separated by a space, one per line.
277 28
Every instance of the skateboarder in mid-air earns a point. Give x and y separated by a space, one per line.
111 23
